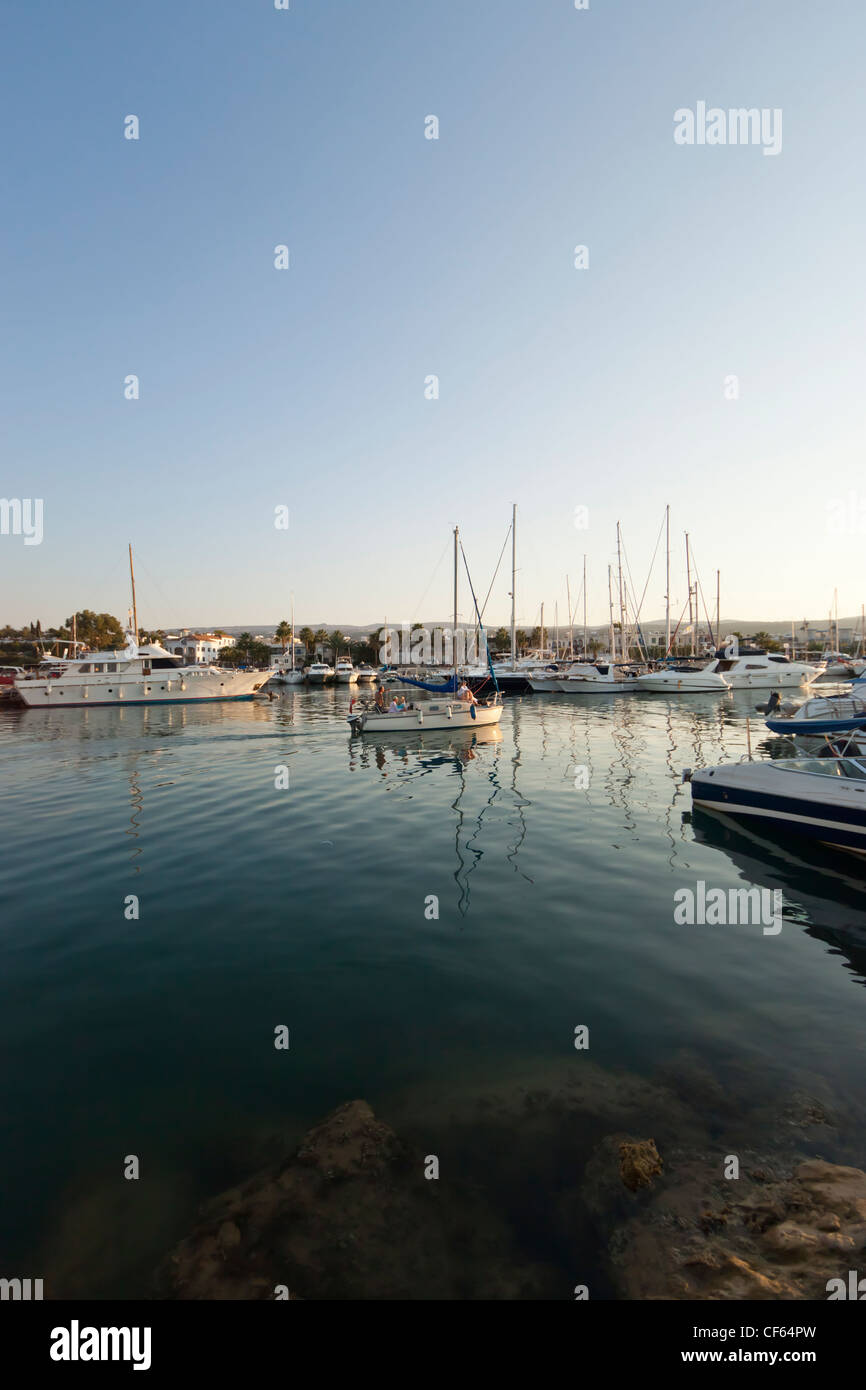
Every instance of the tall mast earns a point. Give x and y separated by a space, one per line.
584 608
513 583
610 633
623 644
293 632
542 630
456 535
556 630
570 622
134 609
668 580
719 610
689 580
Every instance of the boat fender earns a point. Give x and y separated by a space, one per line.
449 712
472 711
687 774
420 716
351 704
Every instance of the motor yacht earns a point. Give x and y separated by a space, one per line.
137 675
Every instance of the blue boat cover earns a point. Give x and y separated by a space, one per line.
817 726
450 687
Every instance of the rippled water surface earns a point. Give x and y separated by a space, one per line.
305 906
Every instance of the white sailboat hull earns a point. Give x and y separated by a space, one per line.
433 714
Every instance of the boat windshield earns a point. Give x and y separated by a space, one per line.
827 767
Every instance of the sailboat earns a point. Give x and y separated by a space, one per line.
453 710
289 675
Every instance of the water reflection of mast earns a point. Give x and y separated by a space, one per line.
618 790
136 801
519 800
465 869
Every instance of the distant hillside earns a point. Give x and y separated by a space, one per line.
728 625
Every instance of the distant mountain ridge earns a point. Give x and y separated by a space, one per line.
727 625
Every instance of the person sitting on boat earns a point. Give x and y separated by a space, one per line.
466 695
394 708
380 699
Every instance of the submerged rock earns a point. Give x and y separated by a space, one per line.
639 1163
351 1216
708 1238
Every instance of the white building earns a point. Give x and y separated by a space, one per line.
282 660
199 648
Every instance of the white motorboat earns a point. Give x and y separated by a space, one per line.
366 672
760 670
823 799
137 675
839 667
820 715
682 680
588 678
345 673
320 673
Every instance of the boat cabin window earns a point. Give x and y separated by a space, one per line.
164 663
780 660
724 665
84 668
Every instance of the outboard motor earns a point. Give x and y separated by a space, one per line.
774 703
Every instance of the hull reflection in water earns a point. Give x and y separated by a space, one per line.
820 896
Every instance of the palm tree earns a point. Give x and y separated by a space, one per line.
320 639
283 633
337 640
307 636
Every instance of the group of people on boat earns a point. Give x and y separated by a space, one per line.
399 704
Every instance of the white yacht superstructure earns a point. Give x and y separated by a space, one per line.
759 670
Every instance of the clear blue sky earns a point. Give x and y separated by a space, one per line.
559 388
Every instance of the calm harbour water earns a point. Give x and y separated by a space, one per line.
306 907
